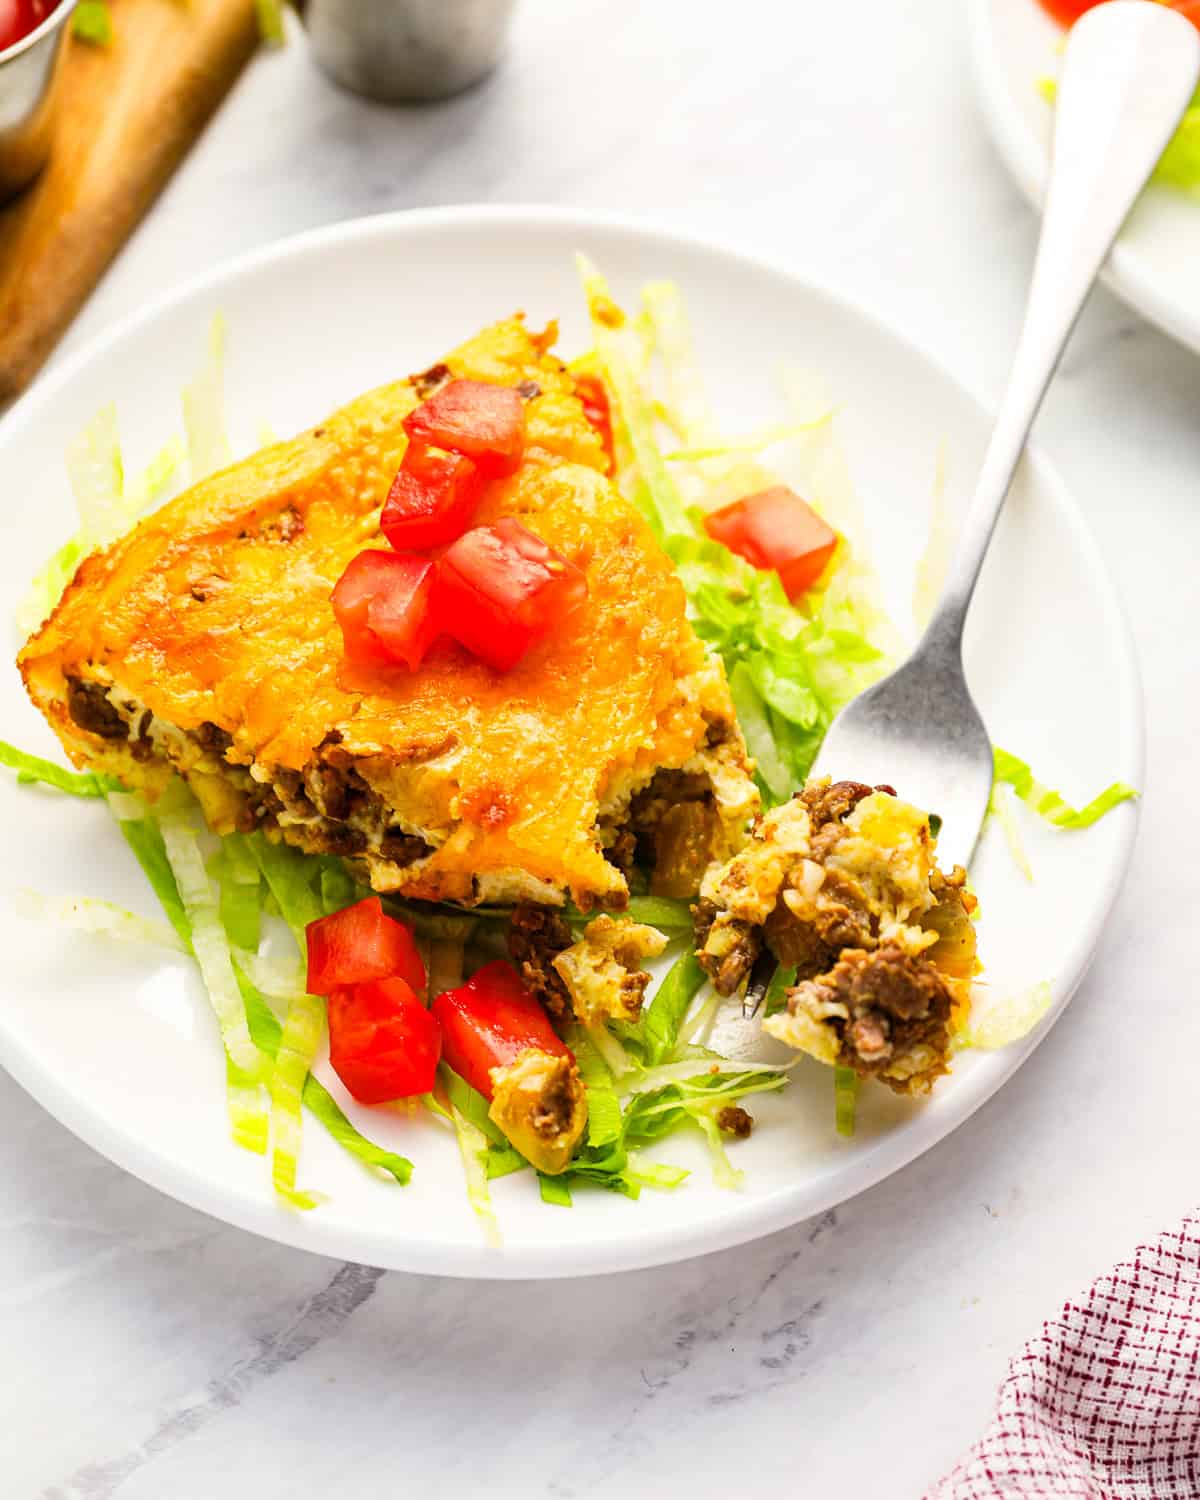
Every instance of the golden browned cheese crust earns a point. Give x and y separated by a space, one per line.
210 628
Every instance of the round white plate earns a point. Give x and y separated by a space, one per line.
118 1042
1153 266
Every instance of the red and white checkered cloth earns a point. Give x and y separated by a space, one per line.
1105 1402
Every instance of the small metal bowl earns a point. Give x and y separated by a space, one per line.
407 49
29 75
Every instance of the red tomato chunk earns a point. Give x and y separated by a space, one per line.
594 399
361 942
486 422
19 17
500 589
383 604
432 499
383 1043
489 1022
777 530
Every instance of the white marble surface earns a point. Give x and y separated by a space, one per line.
153 1353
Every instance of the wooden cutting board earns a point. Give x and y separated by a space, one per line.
128 113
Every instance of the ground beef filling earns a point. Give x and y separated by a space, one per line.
808 947
89 705
325 797
880 1004
672 829
536 936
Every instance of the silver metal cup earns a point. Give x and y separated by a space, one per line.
407 49
29 75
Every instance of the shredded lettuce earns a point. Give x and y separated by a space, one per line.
270 21
474 1145
653 489
267 1033
92 22
776 997
204 409
755 442
697 1102
96 472
845 1099
295 883
246 1070
662 912
554 1190
1009 1020
1000 807
144 837
662 1018
1048 804
303 1028
85 914
32 768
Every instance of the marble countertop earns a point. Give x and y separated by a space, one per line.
154 1352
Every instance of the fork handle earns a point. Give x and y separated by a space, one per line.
1129 74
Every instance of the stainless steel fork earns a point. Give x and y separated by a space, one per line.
1130 71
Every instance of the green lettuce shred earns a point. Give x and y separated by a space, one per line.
475 1145
295 882
204 409
554 1190
1048 804
267 1032
1009 1021
246 1068
86 914
697 1102
663 912
845 1100
33 768
303 1028
662 1019
270 21
92 23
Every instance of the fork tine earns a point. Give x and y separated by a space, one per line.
759 982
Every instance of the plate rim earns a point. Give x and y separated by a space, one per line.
1028 165
741 1222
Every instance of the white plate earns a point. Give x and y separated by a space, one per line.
1153 267
119 1044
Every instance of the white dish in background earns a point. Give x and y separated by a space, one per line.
1153 267
119 1044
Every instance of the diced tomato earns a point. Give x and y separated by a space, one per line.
383 1043
594 398
19 17
500 589
432 499
486 422
489 1022
1067 12
358 943
776 529
383 602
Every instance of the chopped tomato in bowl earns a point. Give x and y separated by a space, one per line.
384 605
501 589
775 529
